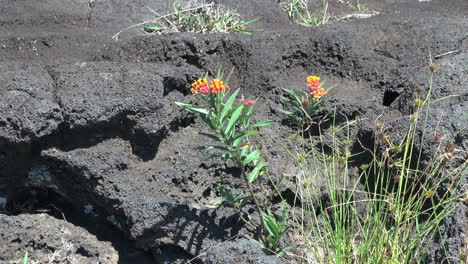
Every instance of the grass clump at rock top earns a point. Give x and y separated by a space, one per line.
385 211
197 16
194 16
303 14
299 11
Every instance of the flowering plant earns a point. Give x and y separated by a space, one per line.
230 120
305 104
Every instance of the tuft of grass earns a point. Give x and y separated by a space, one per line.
358 6
194 16
299 11
386 210
198 16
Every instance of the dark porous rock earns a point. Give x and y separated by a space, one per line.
158 203
91 119
49 240
239 251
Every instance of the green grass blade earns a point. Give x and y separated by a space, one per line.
262 124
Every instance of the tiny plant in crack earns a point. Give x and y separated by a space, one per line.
229 119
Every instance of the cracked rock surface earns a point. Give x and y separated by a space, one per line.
89 129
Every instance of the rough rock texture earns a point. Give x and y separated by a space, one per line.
49 240
92 120
240 251
147 200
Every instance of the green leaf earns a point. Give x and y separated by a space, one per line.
244 152
244 201
227 156
233 119
248 21
286 112
26 258
213 147
216 202
151 29
193 109
214 137
253 175
252 156
228 106
262 124
269 221
211 123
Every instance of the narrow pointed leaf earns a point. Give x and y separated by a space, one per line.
228 105
193 109
233 119
252 156
214 137
213 147
262 124
253 175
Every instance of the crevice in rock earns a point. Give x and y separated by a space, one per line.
18 158
389 97
169 253
35 200
171 84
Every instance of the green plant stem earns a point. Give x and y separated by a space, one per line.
254 198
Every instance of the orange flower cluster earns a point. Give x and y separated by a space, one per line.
314 87
218 86
201 86
318 92
313 81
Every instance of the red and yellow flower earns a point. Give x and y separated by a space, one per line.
218 86
200 85
317 92
313 81
314 87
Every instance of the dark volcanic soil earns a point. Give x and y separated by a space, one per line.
89 132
